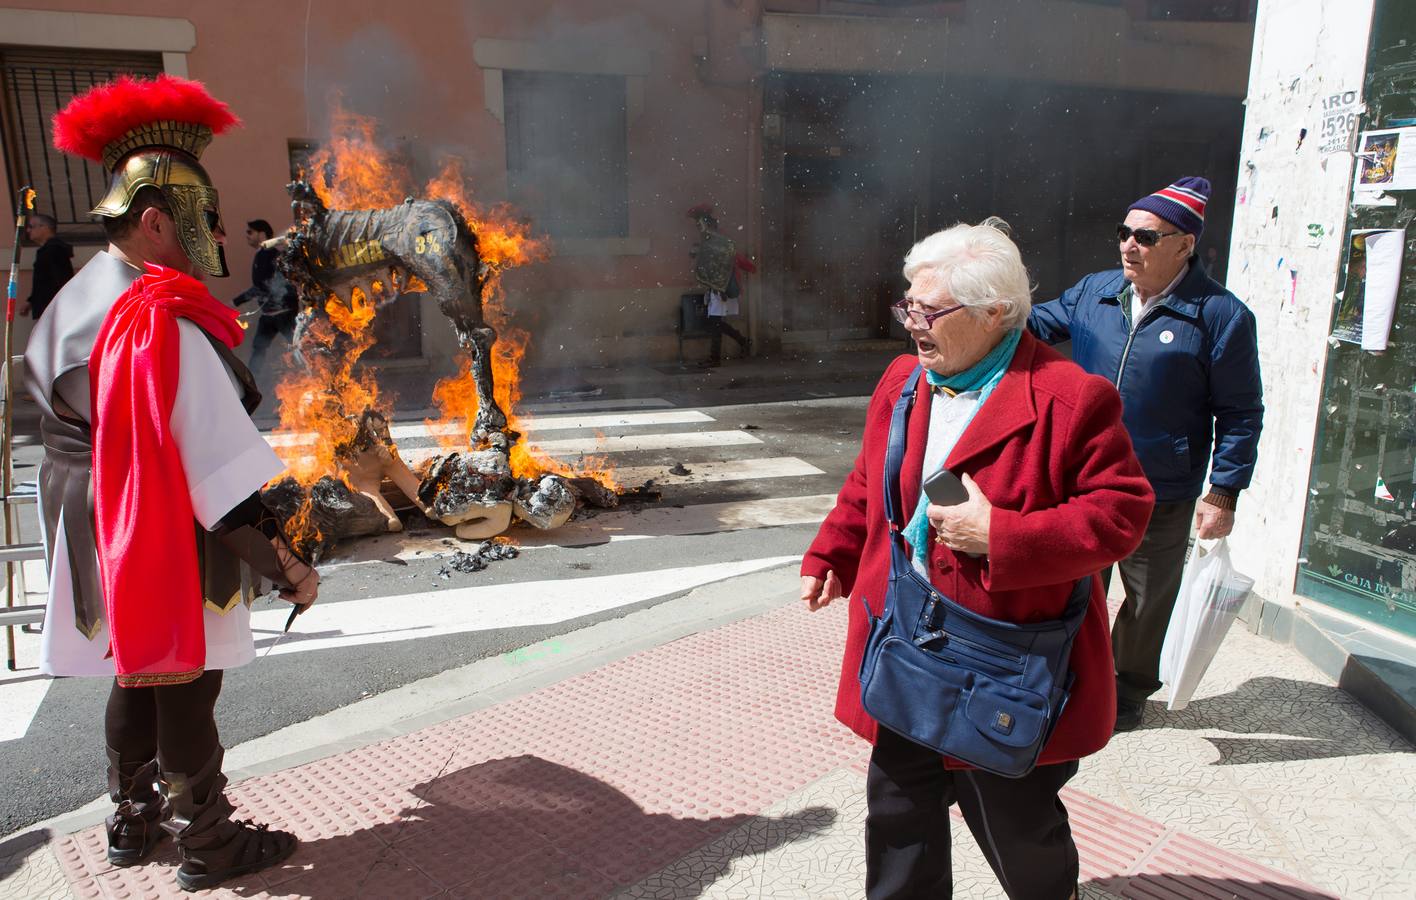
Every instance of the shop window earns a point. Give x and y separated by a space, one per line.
37 83
567 158
1359 533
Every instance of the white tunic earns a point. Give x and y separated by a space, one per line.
225 459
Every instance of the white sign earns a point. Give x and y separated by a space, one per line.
1340 112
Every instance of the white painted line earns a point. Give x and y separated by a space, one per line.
595 446
379 620
611 526
19 701
629 443
702 518
530 424
591 405
726 470
566 422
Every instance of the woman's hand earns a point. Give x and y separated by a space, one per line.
817 593
299 573
964 526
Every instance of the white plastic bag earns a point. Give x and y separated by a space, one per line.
1211 592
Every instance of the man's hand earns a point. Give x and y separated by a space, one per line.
1211 522
302 575
817 593
964 526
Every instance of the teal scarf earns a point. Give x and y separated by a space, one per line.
983 376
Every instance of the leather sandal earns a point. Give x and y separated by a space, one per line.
134 829
213 846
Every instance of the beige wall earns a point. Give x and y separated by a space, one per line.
431 75
420 76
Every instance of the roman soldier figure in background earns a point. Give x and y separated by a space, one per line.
149 490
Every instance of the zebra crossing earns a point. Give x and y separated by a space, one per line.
703 453
717 475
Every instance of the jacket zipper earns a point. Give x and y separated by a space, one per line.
1131 337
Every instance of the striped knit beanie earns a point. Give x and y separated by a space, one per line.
1182 204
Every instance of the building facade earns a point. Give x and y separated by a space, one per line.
827 134
1323 256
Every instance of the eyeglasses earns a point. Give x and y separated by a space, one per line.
1146 237
917 318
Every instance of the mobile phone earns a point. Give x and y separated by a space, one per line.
944 488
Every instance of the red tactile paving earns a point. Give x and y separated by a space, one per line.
597 782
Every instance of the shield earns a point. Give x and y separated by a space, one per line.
713 264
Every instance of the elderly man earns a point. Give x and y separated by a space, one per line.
1183 353
53 263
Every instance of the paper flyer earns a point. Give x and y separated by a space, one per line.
1367 302
1386 161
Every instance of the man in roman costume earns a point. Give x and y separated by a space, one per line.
155 532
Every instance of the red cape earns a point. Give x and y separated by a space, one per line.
142 506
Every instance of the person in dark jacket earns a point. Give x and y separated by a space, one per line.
273 295
1183 352
53 263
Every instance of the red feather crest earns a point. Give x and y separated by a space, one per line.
105 113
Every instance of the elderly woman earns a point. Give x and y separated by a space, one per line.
1054 495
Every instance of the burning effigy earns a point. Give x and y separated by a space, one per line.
359 243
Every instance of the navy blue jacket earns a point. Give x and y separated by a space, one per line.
1188 377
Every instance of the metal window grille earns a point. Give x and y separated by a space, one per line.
37 83
567 156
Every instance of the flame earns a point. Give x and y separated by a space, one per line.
352 171
503 242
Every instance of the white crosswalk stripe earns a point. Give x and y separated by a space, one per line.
582 427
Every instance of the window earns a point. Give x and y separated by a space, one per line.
566 156
37 83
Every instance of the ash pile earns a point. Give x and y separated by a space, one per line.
473 492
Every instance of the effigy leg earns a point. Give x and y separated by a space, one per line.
490 424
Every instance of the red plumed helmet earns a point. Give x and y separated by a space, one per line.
95 124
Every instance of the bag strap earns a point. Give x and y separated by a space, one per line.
1080 600
895 450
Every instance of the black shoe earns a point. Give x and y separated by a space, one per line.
1129 714
710 364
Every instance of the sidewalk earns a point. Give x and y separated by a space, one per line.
711 766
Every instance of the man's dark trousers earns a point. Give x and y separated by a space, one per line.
1019 823
1151 578
267 327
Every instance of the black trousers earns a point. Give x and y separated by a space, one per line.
267 327
1151 578
717 327
1020 825
174 723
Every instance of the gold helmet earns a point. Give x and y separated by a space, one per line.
151 133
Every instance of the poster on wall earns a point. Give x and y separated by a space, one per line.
1386 162
1367 301
1340 113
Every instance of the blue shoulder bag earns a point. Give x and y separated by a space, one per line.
984 691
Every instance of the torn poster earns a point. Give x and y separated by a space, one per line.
1367 302
1386 161
1340 113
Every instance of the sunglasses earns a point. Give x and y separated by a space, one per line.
917 318
1146 237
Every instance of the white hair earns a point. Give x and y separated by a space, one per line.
979 266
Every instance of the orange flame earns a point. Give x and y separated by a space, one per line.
352 171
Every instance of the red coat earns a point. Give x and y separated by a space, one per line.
1069 498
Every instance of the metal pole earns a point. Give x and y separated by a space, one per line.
23 207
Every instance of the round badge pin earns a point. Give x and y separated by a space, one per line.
1167 336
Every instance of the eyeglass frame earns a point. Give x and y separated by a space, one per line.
1136 233
904 315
